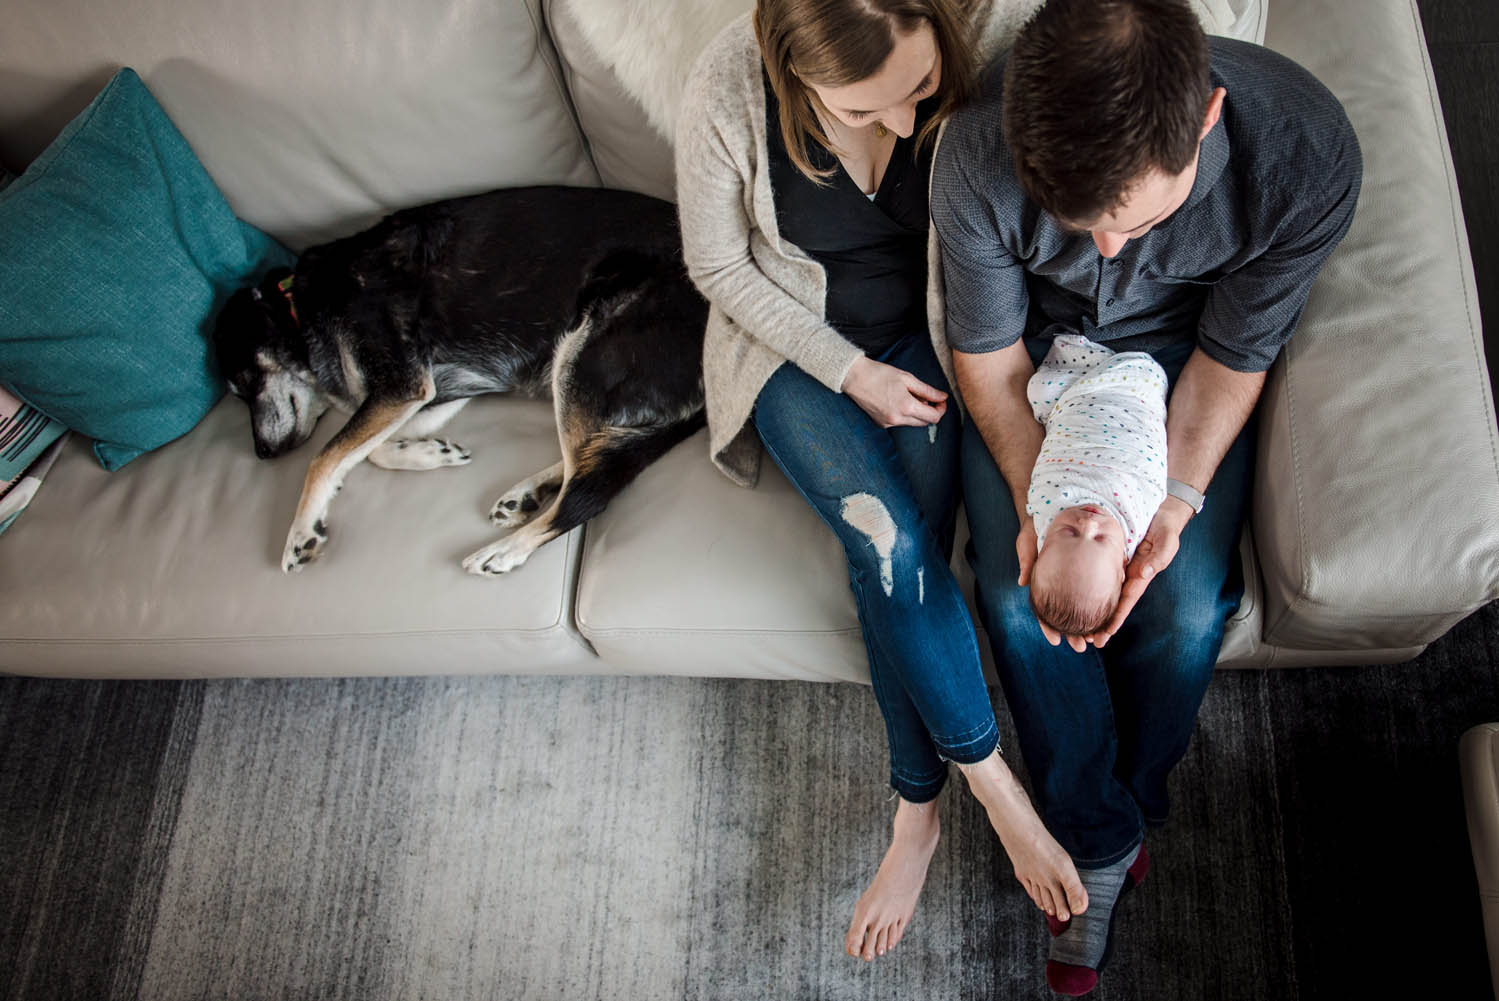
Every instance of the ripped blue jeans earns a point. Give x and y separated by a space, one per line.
890 495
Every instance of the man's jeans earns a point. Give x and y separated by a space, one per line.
1100 730
889 496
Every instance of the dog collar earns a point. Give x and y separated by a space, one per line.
285 286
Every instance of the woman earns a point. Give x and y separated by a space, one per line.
802 157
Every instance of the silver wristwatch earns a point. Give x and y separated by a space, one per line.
1186 493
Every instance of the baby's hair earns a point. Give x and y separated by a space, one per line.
1069 613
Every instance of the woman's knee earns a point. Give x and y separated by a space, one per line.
887 540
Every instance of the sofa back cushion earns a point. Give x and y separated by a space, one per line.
626 61
314 118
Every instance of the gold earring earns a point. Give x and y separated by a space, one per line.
880 130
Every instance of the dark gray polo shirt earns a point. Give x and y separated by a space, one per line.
1277 179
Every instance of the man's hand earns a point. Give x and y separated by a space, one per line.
1025 549
892 396
1154 554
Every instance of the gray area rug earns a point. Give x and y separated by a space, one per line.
642 838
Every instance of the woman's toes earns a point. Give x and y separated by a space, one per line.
1077 897
897 930
853 942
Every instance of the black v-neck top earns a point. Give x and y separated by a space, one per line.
874 250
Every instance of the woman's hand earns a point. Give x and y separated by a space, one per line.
892 396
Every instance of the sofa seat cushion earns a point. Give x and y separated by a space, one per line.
686 573
171 567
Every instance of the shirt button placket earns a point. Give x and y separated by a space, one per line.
1113 281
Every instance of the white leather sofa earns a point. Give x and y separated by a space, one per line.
1375 516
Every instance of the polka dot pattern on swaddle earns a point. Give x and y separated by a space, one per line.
1105 418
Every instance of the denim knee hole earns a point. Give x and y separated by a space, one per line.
867 514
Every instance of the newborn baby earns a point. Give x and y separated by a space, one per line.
1099 479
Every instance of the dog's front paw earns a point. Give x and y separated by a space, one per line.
496 559
303 546
420 453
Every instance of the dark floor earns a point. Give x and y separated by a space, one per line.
1317 850
1463 38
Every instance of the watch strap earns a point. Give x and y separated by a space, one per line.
1186 493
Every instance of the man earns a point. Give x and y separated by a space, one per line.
1124 178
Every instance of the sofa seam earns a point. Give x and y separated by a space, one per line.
612 631
577 541
558 627
545 39
1303 585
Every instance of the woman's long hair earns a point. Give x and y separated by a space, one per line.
833 43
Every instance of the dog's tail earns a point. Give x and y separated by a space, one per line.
609 460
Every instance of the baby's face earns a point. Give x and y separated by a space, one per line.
1084 552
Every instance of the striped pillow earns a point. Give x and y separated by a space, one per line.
29 441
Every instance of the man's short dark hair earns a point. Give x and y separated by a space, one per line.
1097 93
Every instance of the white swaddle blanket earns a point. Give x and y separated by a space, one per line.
1105 418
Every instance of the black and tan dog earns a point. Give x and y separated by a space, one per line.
576 292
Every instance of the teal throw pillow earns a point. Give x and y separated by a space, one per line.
117 251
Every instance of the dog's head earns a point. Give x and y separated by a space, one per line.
263 354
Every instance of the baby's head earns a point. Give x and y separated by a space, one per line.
1079 572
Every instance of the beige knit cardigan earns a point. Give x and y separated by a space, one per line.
766 295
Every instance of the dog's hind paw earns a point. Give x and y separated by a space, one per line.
303 546
512 510
498 558
520 503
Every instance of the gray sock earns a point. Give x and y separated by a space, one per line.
1082 944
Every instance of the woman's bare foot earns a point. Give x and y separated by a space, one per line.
884 911
1043 868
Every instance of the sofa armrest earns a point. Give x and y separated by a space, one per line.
1479 755
1376 500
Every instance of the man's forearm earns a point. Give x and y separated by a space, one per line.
994 392
1208 409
